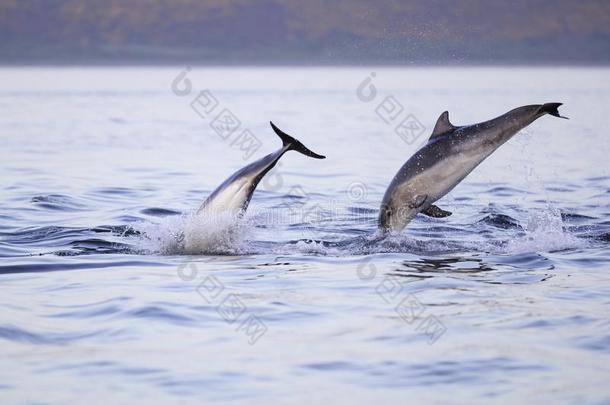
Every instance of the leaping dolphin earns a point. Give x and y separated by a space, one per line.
235 193
449 156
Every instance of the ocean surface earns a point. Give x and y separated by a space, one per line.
506 300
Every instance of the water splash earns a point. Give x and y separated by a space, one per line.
193 234
162 237
223 233
544 232
227 234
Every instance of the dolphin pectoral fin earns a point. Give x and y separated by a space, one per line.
294 144
435 212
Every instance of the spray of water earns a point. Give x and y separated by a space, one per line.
544 232
194 234
226 234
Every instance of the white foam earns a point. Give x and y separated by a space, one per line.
314 247
218 234
194 234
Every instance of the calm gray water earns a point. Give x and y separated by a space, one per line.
509 298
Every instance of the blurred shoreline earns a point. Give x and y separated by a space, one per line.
182 63
293 33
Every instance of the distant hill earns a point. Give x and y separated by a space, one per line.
308 31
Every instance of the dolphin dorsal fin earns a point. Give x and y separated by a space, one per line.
442 126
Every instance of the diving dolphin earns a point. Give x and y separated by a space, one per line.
235 193
449 156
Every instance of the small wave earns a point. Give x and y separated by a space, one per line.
45 236
159 313
159 212
21 335
115 191
505 191
96 245
575 218
58 202
37 267
604 237
70 241
500 221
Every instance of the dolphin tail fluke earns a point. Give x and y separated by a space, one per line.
294 144
551 109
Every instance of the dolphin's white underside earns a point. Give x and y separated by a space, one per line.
230 201
434 183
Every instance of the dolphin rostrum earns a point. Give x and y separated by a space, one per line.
234 194
449 156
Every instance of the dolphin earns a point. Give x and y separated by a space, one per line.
450 154
235 193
